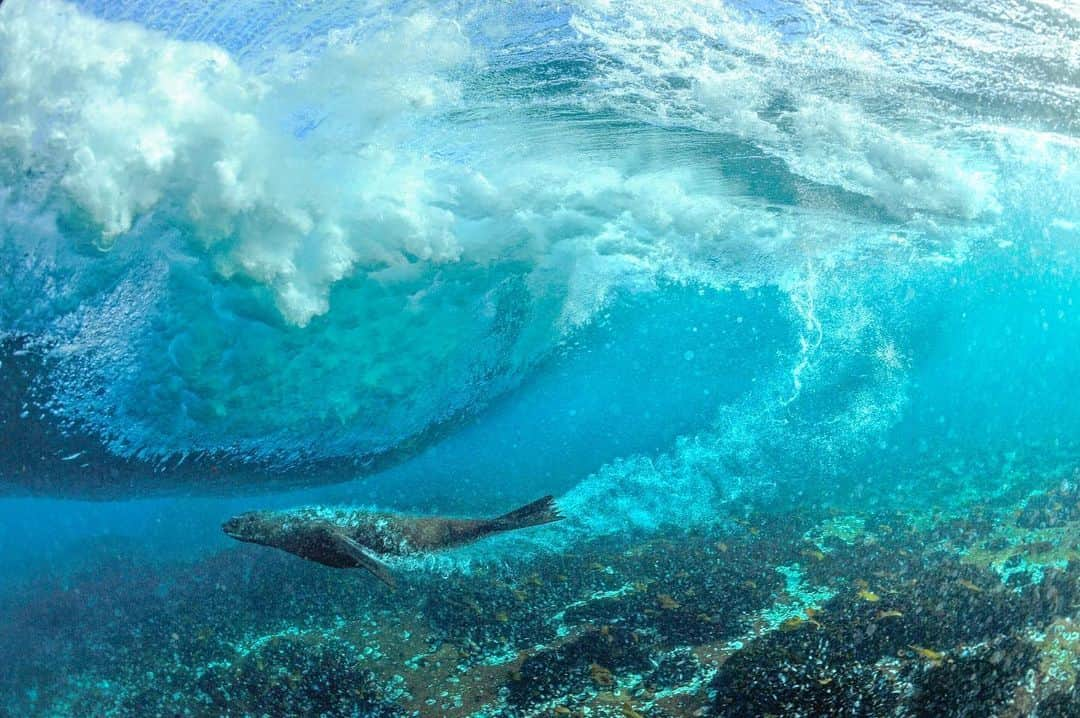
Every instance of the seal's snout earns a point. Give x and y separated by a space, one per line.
252 527
236 527
231 528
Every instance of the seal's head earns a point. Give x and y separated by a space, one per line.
254 527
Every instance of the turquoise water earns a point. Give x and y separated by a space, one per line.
674 263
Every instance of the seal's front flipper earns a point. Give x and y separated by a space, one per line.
364 559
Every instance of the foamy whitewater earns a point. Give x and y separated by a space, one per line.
269 246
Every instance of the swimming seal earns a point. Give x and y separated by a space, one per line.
342 537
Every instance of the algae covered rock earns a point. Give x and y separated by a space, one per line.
296 675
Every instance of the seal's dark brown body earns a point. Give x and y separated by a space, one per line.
350 538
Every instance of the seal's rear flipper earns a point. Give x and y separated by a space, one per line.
541 511
365 560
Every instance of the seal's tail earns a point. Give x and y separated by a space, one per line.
541 511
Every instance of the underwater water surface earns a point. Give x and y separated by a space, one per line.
780 300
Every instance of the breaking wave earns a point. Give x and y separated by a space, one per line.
322 238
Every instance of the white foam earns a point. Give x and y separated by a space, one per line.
132 123
706 66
